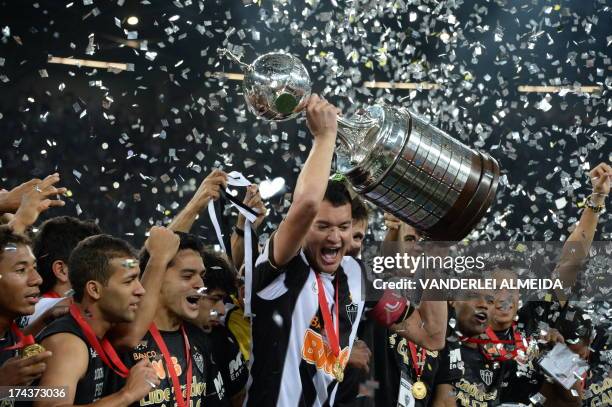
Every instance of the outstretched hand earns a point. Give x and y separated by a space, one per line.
36 200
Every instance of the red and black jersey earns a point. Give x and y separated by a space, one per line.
207 385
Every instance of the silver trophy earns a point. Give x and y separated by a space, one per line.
392 157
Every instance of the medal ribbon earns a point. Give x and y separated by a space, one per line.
518 342
492 338
22 340
333 335
418 370
161 344
104 349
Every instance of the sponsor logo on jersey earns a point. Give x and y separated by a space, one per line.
235 366
316 351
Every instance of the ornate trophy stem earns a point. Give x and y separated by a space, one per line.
231 56
352 132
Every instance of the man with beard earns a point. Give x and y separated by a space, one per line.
307 295
104 275
179 353
53 243
465 376
220 283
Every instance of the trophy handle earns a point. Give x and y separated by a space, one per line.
224 52
352 132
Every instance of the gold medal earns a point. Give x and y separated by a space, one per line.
419 390
32 350
338 371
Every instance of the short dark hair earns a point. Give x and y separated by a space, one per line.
220 274
187 242
337 194
9 237
55 240
359 210
90 261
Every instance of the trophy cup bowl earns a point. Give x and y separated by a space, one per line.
276 85
391 156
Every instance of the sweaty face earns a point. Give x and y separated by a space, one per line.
359 231
329 237
19 281
473 312
182 281
121 296
212 309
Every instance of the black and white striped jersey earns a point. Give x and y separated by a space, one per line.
291 360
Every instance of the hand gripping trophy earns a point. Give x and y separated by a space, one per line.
392 157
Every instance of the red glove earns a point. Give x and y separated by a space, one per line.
391 309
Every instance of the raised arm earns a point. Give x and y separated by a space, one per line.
576 248
162 245
312 181
209 189
253 200
426 326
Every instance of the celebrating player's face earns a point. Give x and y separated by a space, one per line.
212 309
473 312
19 281
329 237
121 295
182 281
506 302
359 231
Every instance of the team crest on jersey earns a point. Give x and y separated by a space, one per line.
351 311
486 376
199 360
142 346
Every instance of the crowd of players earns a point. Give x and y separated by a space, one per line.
178 324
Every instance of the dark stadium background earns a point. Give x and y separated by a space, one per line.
135 161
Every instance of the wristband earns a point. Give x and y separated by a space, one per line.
238 231
595 208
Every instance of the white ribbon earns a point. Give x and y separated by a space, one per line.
236 179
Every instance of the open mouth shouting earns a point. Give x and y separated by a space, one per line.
481 318
193 301
330 255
